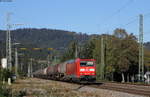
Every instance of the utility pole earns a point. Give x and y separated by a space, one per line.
76 50
102 57
8 43
16 62
21 66
31 68
16 58
141 49
48 57
48 62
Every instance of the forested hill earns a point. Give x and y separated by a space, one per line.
48 38
147 45
45 37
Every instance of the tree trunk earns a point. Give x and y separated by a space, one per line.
132 78
112 77
122 77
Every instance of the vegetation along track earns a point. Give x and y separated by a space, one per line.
128 88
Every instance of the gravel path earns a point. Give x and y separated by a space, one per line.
34 87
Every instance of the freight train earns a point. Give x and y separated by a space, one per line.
77 70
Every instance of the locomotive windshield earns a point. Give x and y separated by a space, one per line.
86 63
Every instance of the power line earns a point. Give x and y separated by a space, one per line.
134 19
123 7
117 12
147 14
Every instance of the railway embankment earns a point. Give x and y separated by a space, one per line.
33 87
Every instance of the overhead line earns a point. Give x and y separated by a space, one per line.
145 15
123 7
130 22
135 19
119 10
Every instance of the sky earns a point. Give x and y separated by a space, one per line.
86 16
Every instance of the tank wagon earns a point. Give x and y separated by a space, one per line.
72 70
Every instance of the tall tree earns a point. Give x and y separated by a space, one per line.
126 51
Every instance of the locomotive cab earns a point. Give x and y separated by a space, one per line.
87 70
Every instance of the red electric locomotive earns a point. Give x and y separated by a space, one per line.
81 70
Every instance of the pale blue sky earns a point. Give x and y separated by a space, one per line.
87 16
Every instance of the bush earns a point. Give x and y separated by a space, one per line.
5 74
4 92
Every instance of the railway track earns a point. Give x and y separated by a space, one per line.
127 88
138 89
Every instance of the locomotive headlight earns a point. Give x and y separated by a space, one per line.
91 69
82 69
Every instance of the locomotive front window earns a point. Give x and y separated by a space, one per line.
86 63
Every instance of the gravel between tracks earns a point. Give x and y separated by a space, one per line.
34 87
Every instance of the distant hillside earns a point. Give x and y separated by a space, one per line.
147 45
45 37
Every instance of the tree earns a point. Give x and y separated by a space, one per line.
70 53
109 72
120 33
5 74
88 50
126 51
